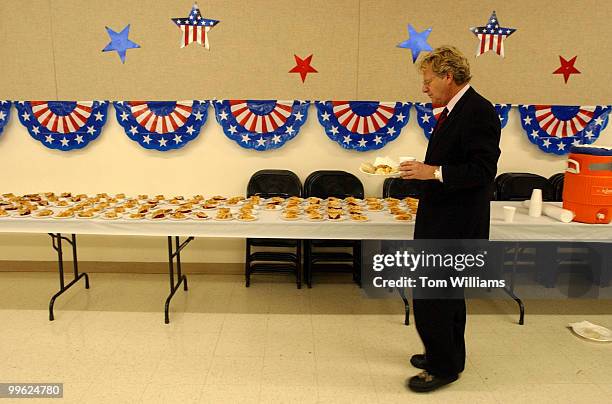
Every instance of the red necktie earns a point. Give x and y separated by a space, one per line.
441 120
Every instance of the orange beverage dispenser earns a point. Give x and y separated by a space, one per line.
587 187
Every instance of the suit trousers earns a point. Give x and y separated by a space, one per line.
441 326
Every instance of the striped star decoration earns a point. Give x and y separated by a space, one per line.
492 36
195 28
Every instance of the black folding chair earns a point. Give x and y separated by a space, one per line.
339 184
270 183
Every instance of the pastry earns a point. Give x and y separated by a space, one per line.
404 217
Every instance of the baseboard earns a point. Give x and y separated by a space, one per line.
228 268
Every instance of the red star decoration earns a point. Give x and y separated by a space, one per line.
303 67
567 68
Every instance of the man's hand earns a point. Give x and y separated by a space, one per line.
415 170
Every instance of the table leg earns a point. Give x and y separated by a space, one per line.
180 278
56 239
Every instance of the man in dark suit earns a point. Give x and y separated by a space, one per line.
458 173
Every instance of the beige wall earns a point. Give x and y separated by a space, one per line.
353 42
209 165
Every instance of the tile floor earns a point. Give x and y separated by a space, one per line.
272 343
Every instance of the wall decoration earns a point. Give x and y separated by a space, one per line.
120 42
303 67
5 113
567 68
63 125
261 125
161 125
363 125
427 118
555 129
492 36
195 28
416 42
502 112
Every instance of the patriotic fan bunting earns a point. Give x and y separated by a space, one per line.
363 125
5 113
555 129
502 112
427 119
63 125
261 125
162 125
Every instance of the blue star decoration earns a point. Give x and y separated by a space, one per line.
195 28
416 42
492 36
120 42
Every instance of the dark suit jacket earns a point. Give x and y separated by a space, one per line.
467 148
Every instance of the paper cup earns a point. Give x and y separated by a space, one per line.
402 159
509 212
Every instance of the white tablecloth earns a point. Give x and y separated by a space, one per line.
381 226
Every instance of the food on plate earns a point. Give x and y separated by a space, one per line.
404 217
86 214
144 209
234 200
200 215
359 218
219 198
271 206
291 215
178 216
375 206
334 215
256 199
223 213
111 215
3 213
136 216
65 214
394 210
313 200
315 215
158 214
246 216
143 196
44 213
24 212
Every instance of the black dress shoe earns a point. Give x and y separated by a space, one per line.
424 382
418 361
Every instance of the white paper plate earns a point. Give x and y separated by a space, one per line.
223 220
591 331
290 219
380 175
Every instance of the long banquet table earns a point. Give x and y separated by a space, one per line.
381 226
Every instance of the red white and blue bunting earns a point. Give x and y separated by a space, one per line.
162 125
363 125
555 129
261 125
427 118
63 125
5 113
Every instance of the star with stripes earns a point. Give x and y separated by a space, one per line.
492 36
567 68
195 28
120 42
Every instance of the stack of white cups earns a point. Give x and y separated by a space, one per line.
535 203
